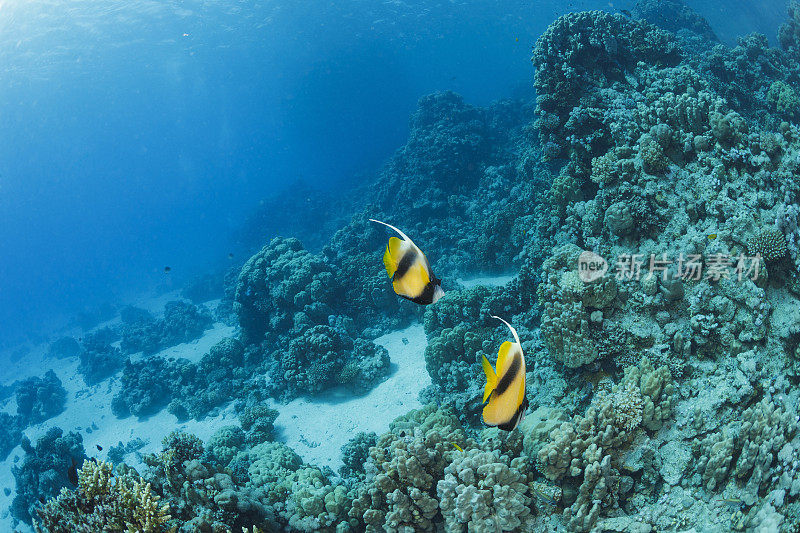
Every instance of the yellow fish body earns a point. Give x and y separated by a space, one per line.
409 269
505 385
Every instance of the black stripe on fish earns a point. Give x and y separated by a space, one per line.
511 373
405 263
426 297
511 424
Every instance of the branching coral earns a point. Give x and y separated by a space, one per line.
104 502
769 243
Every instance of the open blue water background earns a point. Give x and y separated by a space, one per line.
140 134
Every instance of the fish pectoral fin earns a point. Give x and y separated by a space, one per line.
491 379
502 355
391 257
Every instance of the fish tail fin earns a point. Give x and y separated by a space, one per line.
491 379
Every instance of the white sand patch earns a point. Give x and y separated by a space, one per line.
486 281
316 428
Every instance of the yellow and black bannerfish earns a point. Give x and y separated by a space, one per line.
409 269
505 389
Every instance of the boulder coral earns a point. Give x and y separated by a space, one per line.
283 287
40 398
486 491
44 469
323 357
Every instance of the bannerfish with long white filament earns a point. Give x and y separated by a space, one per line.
505 385
409 269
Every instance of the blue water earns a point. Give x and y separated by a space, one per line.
140 134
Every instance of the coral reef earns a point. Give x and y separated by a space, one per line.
485 490
98 359
104 502
44 470
215 380
10 433
201 497
664 382
258 423
204 288
283 288
190 390
131 314
182 322
403 468
147 386
63 348
355 454
40 398
323 357
675 17
588 448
